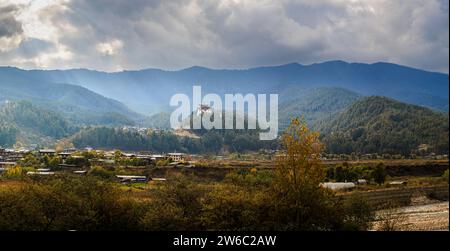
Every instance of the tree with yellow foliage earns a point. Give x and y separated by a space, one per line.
300 202
299 162
14 172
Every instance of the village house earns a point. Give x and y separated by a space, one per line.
2 154
7 164
80 172
40 173
109 154
88 149
156 157
129 155
11 155
64 155
132 178
70 150
177 157
47 152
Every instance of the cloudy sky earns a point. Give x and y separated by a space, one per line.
113 35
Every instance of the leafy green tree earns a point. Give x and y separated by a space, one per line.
78 161
339 173
379 173
29 160
100 172
54 162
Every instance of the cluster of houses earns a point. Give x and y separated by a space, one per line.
10 157
175 157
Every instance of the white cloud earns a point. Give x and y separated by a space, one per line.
110 48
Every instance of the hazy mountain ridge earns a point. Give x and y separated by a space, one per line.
76 102
316 105
149 91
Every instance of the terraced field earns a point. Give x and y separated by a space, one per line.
402 196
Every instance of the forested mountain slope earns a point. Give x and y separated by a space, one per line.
382 125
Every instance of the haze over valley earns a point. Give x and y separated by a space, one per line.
325 94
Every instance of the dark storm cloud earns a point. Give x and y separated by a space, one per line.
179 34
116 34
9 26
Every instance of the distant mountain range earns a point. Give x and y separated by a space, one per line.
149 91
343 101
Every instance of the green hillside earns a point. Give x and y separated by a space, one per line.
160 120
348 124
23 123
75 102
316 105
382 125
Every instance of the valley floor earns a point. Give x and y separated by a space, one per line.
428 217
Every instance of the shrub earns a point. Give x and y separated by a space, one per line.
445 175
14 172
379 174
67 204
163 162
358 214
100 172
339 173
175 206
